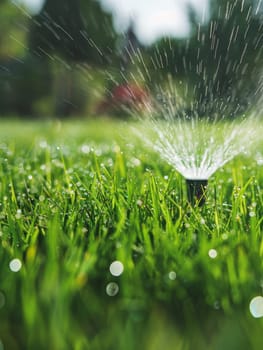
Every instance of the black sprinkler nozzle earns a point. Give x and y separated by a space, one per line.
196 192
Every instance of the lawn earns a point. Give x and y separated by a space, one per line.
100 250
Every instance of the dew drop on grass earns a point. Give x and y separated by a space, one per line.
41 198
252 214
116 268
98 152
256 306
224 236
116 149
202 221
15 265
118 245
112 289
18 214
43 144
136 162
216 305
212 253
139 202
172 275
85 149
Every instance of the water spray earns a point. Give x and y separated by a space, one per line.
196 191
197 149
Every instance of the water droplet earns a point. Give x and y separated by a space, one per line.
172 275
116 268
118 245
18 214
216 305
112 289
212 253
252 214
98 152
136 162
224 236
43 144
202 221
15 265
41 198
116 149
256 307
85 149
139 202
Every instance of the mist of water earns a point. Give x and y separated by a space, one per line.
195 148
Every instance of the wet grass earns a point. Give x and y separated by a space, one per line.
76 196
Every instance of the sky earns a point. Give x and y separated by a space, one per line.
152 18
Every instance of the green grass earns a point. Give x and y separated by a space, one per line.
76 196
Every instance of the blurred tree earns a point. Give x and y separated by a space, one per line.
129 47
13 25
29 81
73 31
77 30
175 57
24 78
221 62
99 32
230 54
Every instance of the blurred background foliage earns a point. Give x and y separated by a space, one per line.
66 59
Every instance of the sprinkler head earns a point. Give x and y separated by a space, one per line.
196 191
